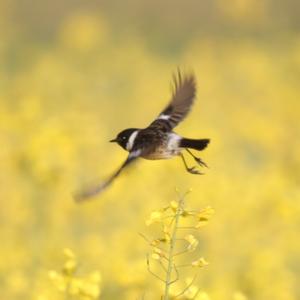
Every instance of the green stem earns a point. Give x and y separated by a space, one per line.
171 249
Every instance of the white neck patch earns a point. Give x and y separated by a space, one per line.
131 139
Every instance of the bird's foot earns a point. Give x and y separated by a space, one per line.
193 170
201 162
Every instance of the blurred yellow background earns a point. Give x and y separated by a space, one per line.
75 73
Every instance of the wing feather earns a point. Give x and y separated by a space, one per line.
97 189
183 97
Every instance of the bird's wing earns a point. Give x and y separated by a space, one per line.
94 190
181 102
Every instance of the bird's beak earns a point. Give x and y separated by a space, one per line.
113 141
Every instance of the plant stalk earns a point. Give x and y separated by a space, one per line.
171 249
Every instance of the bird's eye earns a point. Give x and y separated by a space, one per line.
124 137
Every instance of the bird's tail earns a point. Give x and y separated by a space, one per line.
194 144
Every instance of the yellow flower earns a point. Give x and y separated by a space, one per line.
90 289
157 253
186 213
239 296
156 216
95 277
155 256
58 280
202 296
70 267
174 205
203 216
157 250
52 274
193 242
206 214
84 288
75 286
200 262
155 243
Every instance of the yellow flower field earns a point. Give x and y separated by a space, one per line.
64 96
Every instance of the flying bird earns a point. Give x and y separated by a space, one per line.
158 140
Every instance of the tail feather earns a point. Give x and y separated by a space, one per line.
194 144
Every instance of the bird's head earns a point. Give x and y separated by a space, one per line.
123 138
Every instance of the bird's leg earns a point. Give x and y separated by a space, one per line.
197 159
192 170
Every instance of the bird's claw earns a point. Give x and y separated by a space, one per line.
193 170
201 162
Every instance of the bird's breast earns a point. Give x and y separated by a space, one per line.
160 154
165 149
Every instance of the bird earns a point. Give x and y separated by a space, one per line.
158 140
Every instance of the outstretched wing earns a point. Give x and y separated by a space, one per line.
182 99
94 190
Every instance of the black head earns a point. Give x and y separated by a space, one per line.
123 137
